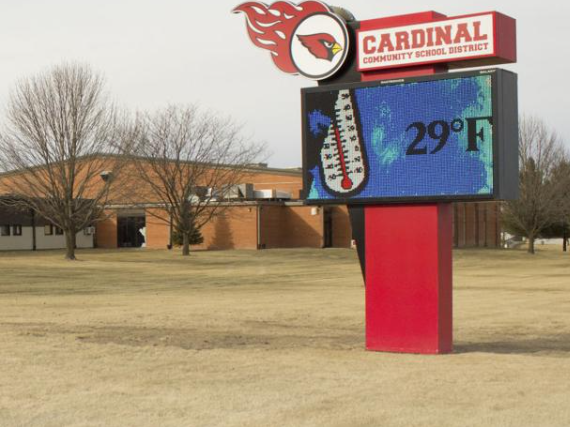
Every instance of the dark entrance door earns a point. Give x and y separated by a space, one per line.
328 231
129 231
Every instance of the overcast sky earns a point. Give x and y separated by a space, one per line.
155 52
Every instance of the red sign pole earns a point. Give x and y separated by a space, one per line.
409 278
408 254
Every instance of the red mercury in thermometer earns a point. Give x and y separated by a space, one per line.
346 181
342 156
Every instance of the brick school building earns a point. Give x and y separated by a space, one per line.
270 214
265 212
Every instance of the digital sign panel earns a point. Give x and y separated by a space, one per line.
435 138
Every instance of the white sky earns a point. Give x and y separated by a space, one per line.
155 52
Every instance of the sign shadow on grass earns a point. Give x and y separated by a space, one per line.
551 344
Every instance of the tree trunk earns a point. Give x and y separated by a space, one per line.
564 241
185 228
531 245
70 243
185 243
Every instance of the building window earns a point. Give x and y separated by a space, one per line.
48 229
58 231
4 230
17 230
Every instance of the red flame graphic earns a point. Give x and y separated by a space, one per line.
271 27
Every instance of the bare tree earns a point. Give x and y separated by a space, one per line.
189 160
560 228
541 201
60 129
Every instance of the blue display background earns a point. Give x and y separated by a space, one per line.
385 114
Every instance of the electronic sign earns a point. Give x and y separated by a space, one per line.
447 137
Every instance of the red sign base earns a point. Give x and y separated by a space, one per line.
409 278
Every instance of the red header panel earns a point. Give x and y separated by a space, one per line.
464 41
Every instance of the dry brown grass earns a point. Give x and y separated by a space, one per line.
272 338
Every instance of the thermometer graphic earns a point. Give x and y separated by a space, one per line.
342 155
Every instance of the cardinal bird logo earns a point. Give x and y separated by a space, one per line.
322 46
307 39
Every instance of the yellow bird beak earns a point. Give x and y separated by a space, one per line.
336 48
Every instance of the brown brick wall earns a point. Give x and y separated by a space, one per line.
476 225
303 229
272 226
291 227
290 183
470 228
493 225
106 232
139 191
460 224
157 228
235 228
342 231
129 188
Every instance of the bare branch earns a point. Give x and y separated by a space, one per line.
542 186
187 159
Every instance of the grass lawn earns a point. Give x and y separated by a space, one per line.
272 338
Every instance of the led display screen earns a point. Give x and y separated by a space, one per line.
436 138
